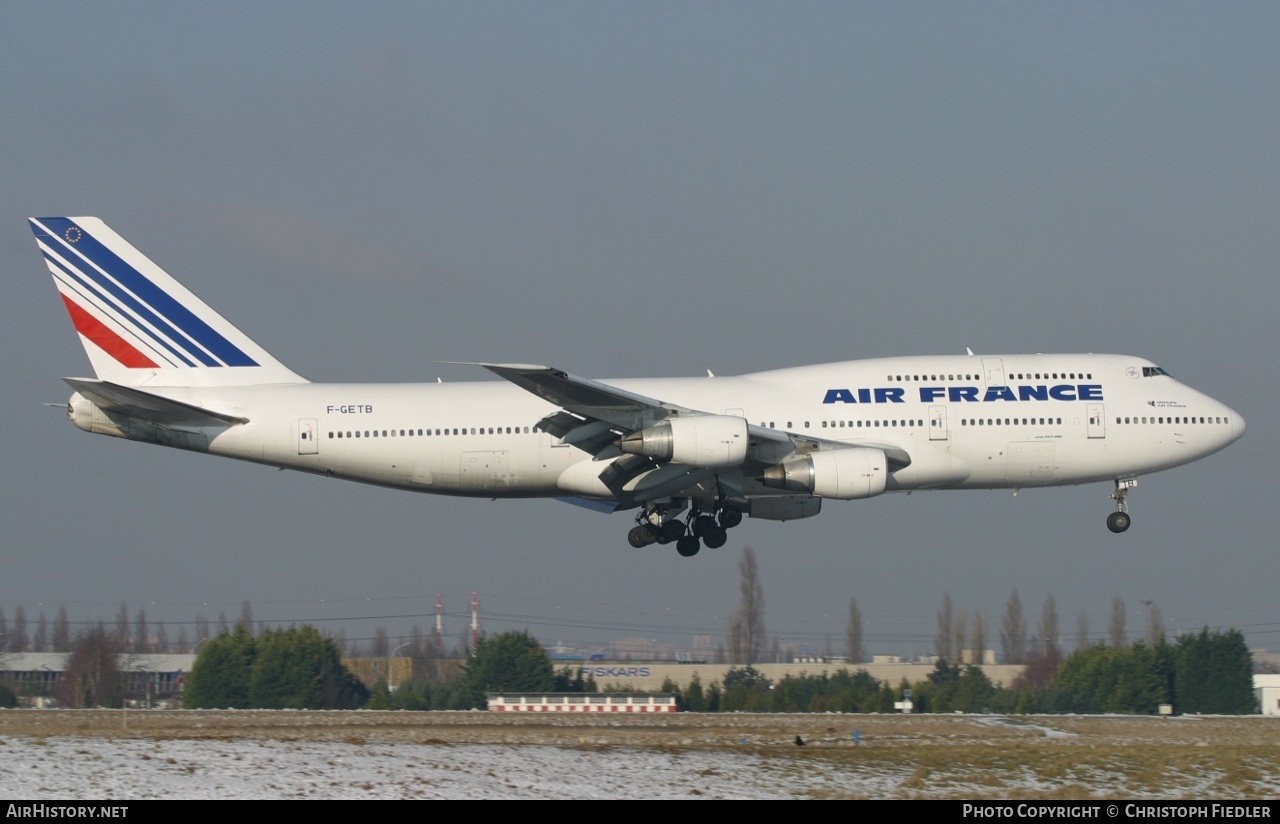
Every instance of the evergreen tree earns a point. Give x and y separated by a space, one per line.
745 690
571 679
220 677
695 700
298 668
508 662
379 696
1213 673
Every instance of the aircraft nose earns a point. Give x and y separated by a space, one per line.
1237 424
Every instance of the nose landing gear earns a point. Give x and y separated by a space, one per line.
1119 520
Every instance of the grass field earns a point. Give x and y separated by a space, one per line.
915 756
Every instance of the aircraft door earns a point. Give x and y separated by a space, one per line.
937 423
308 440
1097 420
993 371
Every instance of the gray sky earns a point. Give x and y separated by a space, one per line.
647 189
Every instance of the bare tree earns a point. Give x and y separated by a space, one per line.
92 675
122 627
746 628
141 632
161 644
224 627
246 617
1155 623
1013 631
418 645
61 640
1049 625
182 644
943 641
202 629
4 632
1117 631
853 651
18 639
978 638
959 634
381 643
40 641
1082 631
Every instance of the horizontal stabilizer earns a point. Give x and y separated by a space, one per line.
145 406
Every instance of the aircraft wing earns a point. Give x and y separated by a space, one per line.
595 415
113 397
587 398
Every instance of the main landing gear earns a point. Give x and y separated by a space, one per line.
656 525
1119 520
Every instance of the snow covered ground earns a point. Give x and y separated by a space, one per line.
104 755
103 769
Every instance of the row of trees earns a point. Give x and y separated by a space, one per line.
298 668
1200 673
131 633
17 636
1206 672
135 633
958 638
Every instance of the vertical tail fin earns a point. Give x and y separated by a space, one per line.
139 326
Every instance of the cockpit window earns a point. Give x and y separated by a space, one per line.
1152 371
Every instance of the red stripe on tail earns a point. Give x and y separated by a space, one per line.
106 340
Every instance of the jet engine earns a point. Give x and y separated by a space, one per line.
711 441
844 474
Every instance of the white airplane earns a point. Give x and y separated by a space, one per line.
691 456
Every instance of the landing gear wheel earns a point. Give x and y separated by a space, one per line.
672 530
639 536
659 534
715 537
687 546
730 517
1118 521
702 524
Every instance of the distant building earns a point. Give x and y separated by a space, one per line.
148 680
581 702
1266 688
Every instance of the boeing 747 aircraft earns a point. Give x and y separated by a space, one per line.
690 456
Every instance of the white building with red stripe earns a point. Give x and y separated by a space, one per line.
581 702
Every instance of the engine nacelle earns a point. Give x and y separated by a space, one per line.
844 474
787 508
711 441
